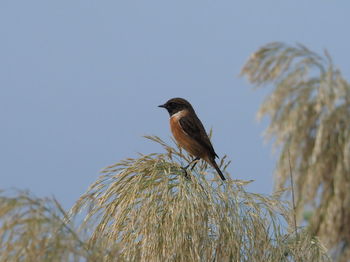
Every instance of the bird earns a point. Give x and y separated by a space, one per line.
189 132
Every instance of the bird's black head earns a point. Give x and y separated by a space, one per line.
175 105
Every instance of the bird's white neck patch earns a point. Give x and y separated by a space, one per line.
179 114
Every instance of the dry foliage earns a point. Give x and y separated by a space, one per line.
144 209
147 208
309 111
33 229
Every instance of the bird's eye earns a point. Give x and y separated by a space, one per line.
171 104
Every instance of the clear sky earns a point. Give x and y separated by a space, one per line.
80 81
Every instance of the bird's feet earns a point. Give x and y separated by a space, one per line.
186 167
187 176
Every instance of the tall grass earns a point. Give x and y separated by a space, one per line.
308 109
145 209
33 229
150 210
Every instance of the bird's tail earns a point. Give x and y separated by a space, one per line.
213 163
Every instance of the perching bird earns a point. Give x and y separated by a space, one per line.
189 132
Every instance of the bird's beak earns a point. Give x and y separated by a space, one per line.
162 106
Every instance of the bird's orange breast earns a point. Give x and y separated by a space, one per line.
183 139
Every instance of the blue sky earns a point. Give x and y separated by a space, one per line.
80 81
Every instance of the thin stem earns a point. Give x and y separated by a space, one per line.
293 197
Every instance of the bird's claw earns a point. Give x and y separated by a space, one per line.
187 176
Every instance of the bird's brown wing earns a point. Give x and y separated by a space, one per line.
194 128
